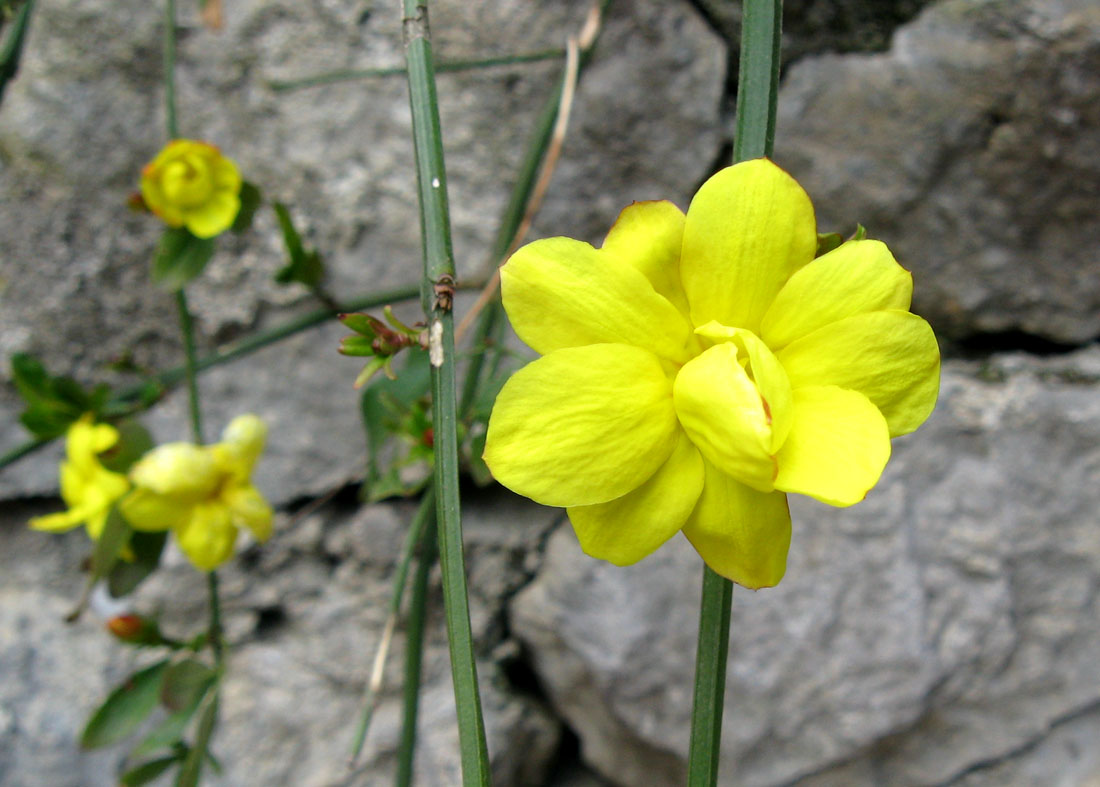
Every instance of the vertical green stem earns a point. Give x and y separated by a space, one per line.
170 69
757 91
190 365
437 296
217 644
414 650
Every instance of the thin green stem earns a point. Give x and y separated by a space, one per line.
414 652
350 74
437 299
757 92
170 69
11 51
190 365
710 679
758 79
215 631
415 538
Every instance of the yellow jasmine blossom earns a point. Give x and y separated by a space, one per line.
698 367
87 487
191 184
203 493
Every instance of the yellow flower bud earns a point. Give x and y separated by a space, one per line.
191 184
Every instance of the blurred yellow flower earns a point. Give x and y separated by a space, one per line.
698 367
87 487
191 184
203 493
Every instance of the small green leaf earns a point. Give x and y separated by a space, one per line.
148 771
251 199
185 683
386 402
180 258
45 422
361 323
860 233
116 532
170 730
125 708
191 769
126 575
30 377
356 345
305 266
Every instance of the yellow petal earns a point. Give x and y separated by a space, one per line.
740 533
57 523
624 530
859 276
891 357
183 470
214 216
208 536
648 236
244 438
560 292
148 511
582 425
249 509
723 413
764 369
748 229
226 175
837 448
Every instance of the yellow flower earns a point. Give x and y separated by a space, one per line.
191 184
203 493
87 487
696 368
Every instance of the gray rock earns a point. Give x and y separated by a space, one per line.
946 621
971 149
303 615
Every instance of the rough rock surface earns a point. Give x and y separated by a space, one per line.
303 614
972 148
949 619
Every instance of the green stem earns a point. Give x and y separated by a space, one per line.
414 539
438 277
710 679
170 69
757 92
346 75
216 634
414 652
190 365
12 49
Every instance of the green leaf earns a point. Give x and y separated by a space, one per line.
356 345
192 767
828 241
125 708
170 731
133 441
148 771
180 258
386 403
45 422
305 266
251 199
116 532
185 683
53 403
30 377
126 575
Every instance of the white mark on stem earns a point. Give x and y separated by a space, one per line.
435 344
435 183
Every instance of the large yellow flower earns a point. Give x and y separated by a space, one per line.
191 184
87 487
696 368
203 493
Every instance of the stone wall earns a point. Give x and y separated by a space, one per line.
942 632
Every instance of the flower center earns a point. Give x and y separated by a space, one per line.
187 182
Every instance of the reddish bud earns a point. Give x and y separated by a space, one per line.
127 628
